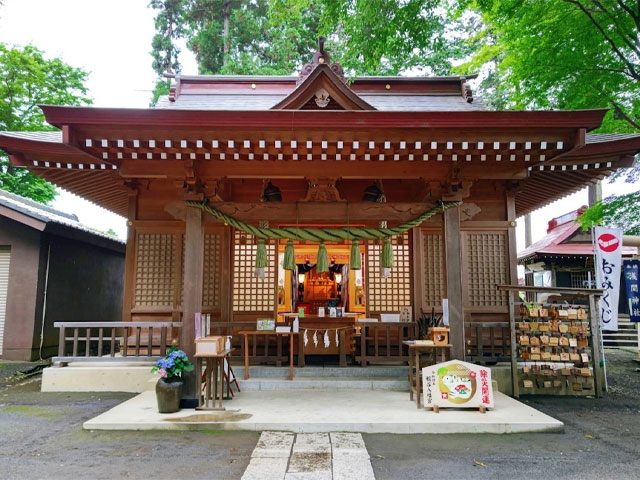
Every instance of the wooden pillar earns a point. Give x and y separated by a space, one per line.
193 265
527 230
452 239
130 255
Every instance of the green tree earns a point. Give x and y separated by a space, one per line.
564 54
620 212
374 37
27 79
561 54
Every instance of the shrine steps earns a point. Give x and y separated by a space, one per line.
380 378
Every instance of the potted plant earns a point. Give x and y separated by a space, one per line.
170 383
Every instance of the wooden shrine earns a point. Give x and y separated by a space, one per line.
317 150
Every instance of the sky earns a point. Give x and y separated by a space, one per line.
112 40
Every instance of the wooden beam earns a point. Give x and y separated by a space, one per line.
452 241
317 212
345 169
193 265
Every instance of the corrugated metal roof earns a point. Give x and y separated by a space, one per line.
386 102
47 214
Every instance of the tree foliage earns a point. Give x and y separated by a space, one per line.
618 212
560 54
27 79
373 37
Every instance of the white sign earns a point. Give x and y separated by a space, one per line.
457 384
608 253
445 312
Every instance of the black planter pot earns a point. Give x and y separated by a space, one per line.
168 393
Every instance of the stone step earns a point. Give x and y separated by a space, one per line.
374 371
325 383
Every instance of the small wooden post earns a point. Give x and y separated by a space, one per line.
75 341
87 342
514 350
301 362
246 356
595 344
61 343
100 334
112 351
363 345
343 350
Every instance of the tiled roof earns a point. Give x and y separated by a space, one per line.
608 137
387 102
54 137
47 214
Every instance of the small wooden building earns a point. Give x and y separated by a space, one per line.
52 269
564 258
320 143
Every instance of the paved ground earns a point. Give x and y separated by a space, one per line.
41 436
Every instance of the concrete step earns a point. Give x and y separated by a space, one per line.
375 371
325 383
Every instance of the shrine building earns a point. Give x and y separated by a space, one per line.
324 152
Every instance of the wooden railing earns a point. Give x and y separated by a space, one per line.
91 348
262 348
381 342
487 342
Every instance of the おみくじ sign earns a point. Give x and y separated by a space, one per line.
608 253
457 384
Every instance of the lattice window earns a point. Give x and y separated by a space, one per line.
389 294
487 267
251 294
155 269
433 269
212 270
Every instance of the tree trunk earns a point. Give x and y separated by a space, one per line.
225 31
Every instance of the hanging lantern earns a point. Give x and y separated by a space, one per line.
261 259
338 278
323 259
301 278
355 262
386 259
289 262
271 193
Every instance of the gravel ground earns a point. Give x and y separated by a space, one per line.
41 436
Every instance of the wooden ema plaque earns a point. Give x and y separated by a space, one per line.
457 384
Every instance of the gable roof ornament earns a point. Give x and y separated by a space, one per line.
322 86
321 57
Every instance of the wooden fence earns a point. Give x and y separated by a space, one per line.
148 342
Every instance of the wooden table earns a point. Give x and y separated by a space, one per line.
415 374
214 383
246 334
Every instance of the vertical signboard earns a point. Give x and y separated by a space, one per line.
631 272
608 260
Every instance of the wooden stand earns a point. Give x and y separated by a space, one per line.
213 380
415 373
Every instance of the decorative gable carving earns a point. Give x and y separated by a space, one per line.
322 86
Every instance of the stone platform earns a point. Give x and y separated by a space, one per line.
301 411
